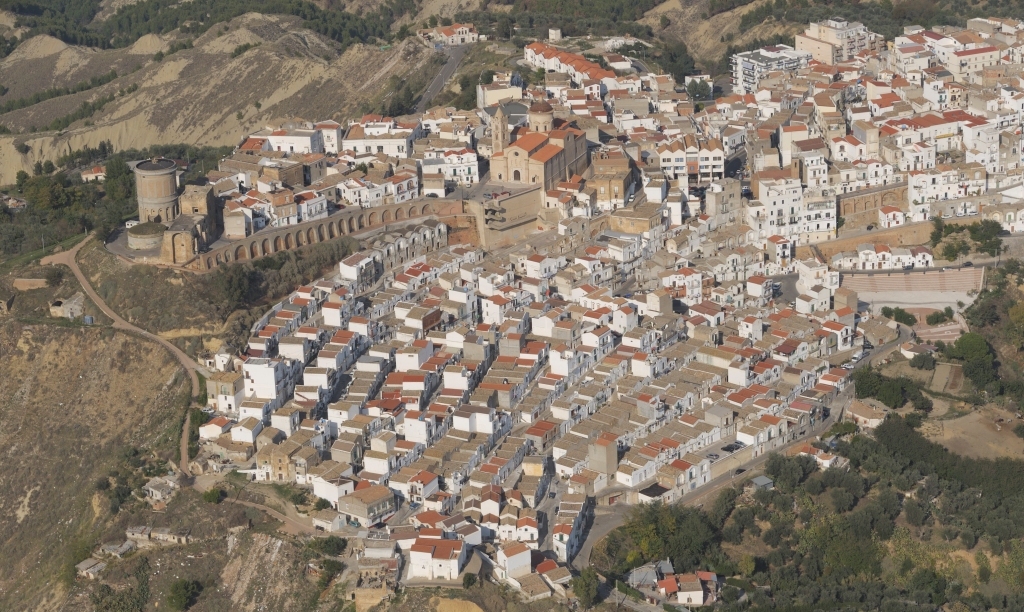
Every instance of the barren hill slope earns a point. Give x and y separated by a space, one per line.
706 39
195 96
73 399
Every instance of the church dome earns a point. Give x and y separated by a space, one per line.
541 107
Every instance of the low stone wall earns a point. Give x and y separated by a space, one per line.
912 234
144 242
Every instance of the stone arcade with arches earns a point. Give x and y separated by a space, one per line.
344 223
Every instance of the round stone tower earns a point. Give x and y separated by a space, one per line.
156 186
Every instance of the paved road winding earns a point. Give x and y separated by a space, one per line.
69 258
455 55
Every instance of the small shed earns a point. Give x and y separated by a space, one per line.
762 483
90 568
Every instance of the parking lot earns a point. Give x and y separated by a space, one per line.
724 461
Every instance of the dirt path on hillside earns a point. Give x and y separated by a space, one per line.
69 259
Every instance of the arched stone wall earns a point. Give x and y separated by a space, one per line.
350 221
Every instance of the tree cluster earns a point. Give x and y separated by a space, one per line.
893 392
983 238
940 316
899 315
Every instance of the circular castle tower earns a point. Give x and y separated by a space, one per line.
156 186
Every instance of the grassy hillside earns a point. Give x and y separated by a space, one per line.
203 311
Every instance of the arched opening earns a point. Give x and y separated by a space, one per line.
209 263
332 230
425 210
400 214
239 253
412 212
278 244
351 225
288 244
386 217
218 259
310 236
320 233
266 246
299 238
253 253
517 176
373 218
362 222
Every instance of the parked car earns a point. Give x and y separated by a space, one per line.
871 227
739 471
730 448
551 494
713 456
968 264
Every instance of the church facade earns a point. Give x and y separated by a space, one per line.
545 152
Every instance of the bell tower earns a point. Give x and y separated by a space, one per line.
499 131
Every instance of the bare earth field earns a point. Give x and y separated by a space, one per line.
978 434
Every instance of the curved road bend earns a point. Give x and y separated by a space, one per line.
68 258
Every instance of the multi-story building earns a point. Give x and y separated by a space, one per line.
836 40
778 208
749 68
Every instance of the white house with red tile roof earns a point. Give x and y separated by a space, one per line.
437 559
890 216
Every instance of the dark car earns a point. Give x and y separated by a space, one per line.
739 471
968 264
871 227
551 494
730 448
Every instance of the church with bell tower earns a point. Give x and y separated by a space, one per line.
544 152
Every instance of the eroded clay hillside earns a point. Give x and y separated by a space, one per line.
200 95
